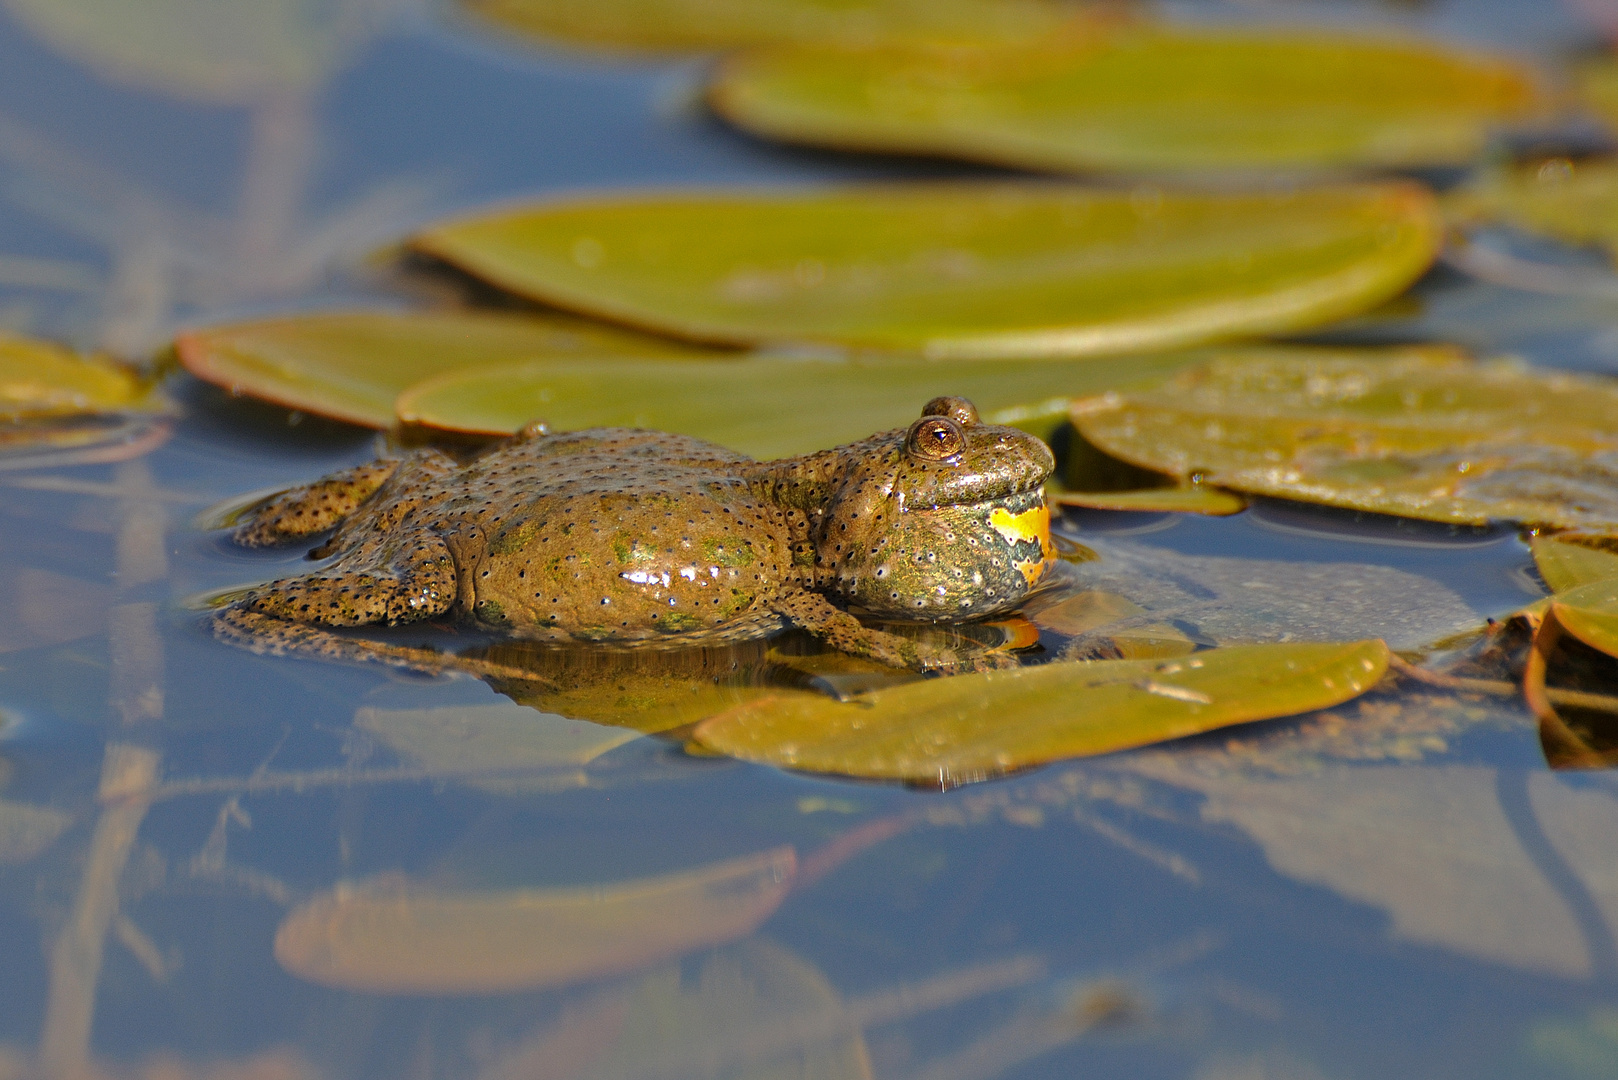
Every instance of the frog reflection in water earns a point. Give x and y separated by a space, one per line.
644 538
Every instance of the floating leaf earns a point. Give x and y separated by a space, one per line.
40 381
1418 432
990 270
352 365
755 406
723 24
25 830
506 737
399 938
1136 98
1590 613
968 727
1185 499
753 1011
1569 560
1573 201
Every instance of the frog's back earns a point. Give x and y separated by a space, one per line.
619 534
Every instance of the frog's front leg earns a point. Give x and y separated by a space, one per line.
844 632
312 508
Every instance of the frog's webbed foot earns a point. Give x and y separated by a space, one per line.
312 508
414 579
842 631
269 635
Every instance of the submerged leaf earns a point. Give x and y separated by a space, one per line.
1573 201
25 830
1115 620
1569 560
753 1011
755 406
507 737
723 24
1418 432
1225 600
960 269
969 727
1136 98
214 51
353 364
398 938
41 381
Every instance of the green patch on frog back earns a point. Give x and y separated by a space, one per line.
678 622
732 555
740 600
631 549
515 538
491 613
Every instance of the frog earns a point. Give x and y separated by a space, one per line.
635 538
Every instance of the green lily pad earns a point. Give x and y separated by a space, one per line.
955 730
1418 432
1184 499
723 24
42 381
393 937
351 365
1573 201
1570 560
960 270
458 740
1137 98
765 407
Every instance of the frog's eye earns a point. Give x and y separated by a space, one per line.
935 438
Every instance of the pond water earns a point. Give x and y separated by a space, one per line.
1399 887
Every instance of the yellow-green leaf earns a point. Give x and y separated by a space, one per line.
353 364
1569 560
1186 499
723 24
469 739
1137 98
764 407
950 731
39 381
1573 201
1420 432
991 270
394 937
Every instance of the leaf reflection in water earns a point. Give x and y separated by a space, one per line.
398 938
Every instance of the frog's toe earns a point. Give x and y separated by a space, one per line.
313 508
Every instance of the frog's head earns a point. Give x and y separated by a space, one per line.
943 521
